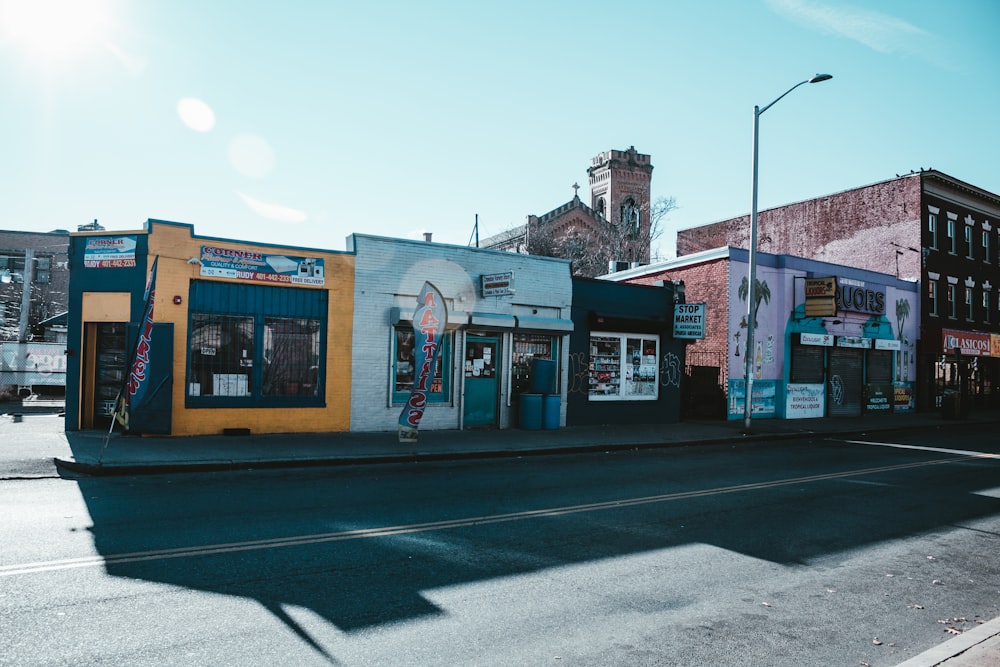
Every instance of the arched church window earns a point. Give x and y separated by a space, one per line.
630 216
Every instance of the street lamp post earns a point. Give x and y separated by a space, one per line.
752 274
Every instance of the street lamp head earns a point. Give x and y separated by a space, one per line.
820 77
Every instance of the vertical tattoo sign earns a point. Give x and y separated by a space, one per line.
137 380
429 320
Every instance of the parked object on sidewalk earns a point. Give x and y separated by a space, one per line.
551 405
531 412
543 376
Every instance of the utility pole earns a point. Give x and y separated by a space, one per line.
27 277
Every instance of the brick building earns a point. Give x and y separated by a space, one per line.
33 271
924 226
852 359
34 297
619 195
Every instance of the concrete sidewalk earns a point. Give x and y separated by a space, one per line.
35 445
93 453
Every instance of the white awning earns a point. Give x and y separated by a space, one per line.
492 320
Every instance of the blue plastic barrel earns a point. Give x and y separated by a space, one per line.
543 376
531 412
551 404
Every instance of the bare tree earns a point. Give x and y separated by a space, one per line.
591 249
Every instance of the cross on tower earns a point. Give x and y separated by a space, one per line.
575 188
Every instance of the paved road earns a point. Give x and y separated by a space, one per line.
804 552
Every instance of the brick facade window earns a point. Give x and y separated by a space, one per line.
951 301
932 297
932 229
986 246
968 242
951 236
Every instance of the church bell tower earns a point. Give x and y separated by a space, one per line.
619 192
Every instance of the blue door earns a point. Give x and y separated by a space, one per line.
482 382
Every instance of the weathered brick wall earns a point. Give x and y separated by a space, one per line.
707 283
856 228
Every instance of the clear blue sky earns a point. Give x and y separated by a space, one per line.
301 122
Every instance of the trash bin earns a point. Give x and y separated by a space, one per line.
543 376
551 404
531 412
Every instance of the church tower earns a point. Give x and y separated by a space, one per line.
619 192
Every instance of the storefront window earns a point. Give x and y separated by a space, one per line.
403 367
291 357
623 367
221 353
526 348
267 354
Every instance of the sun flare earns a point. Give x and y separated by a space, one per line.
53 31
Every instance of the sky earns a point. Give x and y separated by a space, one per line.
301 122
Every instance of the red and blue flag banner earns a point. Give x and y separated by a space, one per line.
429 321
137 378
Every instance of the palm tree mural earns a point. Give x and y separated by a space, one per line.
902 361
902 312
761 292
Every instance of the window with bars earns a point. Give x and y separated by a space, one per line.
291 357
221 355
253 345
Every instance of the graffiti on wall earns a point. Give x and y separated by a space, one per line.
670 370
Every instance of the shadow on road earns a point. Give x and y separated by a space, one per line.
731 499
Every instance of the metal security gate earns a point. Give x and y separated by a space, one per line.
843 387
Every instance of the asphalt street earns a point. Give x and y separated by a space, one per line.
818 550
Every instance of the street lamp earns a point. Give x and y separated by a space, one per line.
752 276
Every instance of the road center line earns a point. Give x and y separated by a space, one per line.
388 531
939 450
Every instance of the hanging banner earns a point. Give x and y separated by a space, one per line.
261 267
429 321
137 379
109 252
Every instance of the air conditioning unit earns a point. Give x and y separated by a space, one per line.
616 266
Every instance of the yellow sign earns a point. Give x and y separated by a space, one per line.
821 288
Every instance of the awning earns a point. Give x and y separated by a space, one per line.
398 315
544 323
493 320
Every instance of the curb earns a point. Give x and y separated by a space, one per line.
168 467
944 652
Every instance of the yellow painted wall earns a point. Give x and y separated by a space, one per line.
176 244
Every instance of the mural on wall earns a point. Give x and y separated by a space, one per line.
761 293
903 359
765 355
863 318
